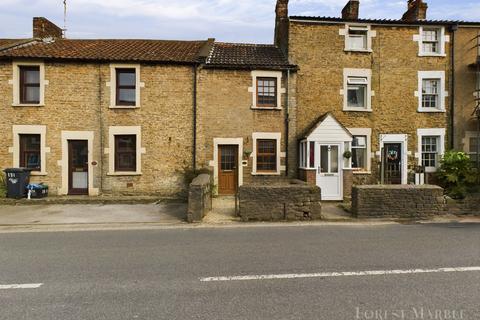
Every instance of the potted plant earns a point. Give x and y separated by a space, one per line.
247 154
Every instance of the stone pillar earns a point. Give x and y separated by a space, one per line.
347 184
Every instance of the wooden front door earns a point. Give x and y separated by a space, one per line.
78 167
227 169
392 154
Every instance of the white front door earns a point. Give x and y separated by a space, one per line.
329 171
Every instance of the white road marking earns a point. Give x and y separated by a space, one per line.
20 286
337 274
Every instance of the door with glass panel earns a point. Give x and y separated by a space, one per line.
227 169
329 171
78 167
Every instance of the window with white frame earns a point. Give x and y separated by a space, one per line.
266 153
431 147
431 41
125 151
358 37
28 84
361 149
430 156
125 86
359 153
431 91
267 90
307 155
357 90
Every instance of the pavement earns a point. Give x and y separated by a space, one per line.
321 272
105 214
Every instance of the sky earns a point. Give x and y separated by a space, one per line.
250 21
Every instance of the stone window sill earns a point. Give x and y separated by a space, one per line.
357 110
361 172
38 173
124 107
120 174
422 110
265 173
266 108
28 105
359 50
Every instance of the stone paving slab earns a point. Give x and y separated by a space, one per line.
48 214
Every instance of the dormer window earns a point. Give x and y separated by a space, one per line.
357 38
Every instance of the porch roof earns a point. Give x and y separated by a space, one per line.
328 128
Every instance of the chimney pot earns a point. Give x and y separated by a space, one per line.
351 10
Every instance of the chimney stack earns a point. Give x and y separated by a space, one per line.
351 9
417 11
282 25
44 28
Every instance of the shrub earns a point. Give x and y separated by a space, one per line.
456 174
3 185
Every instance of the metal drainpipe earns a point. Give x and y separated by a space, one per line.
287 122
452 95
100 118
194 152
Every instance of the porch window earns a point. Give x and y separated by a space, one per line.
430 93
267 92
29 84
430 147
30 151
125 153
303 154
357 92
266 155
126 86
359 153
312 154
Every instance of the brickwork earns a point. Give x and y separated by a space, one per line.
402 201
286 201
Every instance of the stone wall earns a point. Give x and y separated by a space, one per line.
199 198
286 201
400 201
470 205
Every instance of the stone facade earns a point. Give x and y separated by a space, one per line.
77 99
225 112
199 198
319 50
402 201
285 201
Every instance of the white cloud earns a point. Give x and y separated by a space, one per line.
226 20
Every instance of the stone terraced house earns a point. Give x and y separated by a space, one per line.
333 101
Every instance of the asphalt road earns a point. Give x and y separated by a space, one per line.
156 274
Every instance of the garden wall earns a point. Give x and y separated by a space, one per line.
199 198
402 201
294 200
